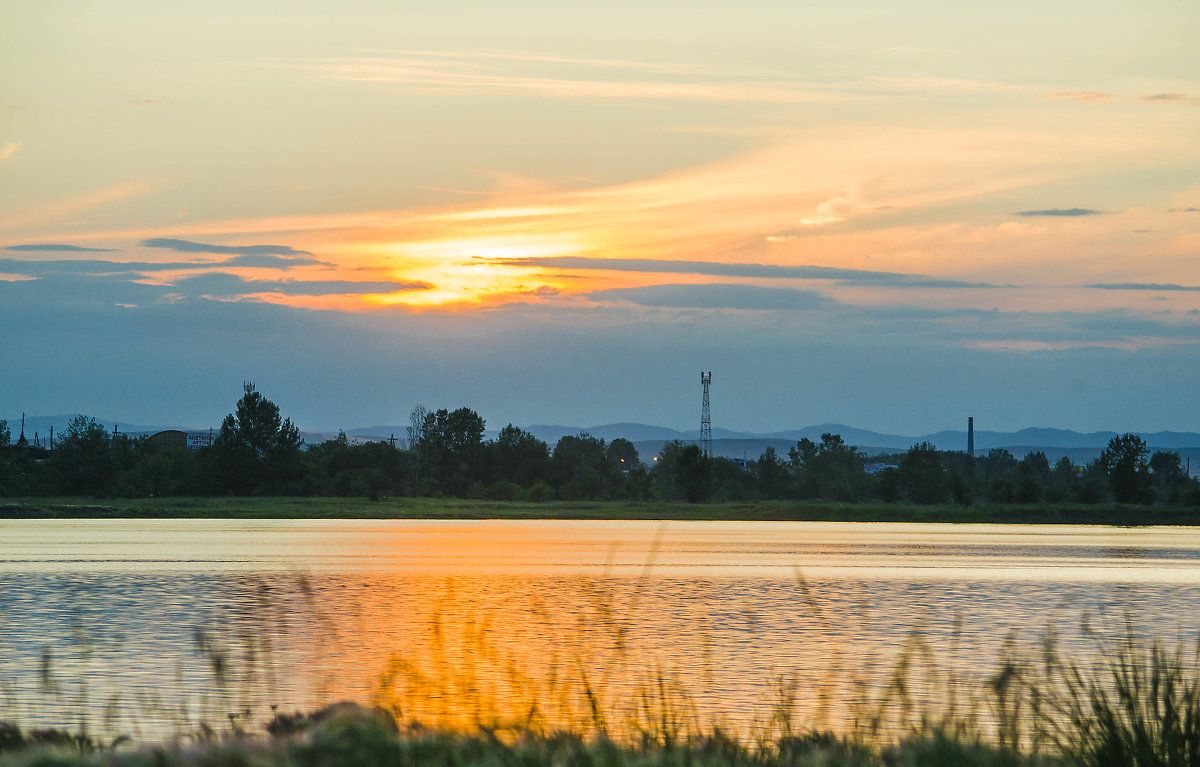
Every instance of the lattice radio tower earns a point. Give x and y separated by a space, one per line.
705 418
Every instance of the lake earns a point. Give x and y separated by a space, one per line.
151 627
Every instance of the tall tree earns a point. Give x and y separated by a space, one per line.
416 433
582 469
81 457
257 425
693 472
257 449
772 474
623 454
450 447
520 457
1125 462
836 469
922 474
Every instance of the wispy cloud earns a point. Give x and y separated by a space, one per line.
225 285
749 271
517 73
293 255
1183 210
1171 98
1026 346
553 58
551 75
718 296
142 282
1088 97
8 150
1066 212
834 210
65 208
1160 286
53 247
98 267
957 85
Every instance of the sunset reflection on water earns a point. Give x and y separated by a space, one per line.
554 623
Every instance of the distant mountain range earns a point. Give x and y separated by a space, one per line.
865 439
649 440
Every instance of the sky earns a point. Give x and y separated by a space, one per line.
888 215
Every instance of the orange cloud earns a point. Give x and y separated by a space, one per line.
928 202
1090 97
448 73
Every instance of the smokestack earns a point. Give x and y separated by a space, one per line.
971 436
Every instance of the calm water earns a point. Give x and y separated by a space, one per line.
118 623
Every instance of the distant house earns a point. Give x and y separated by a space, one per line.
172 439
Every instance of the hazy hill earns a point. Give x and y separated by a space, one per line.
649 439
41 425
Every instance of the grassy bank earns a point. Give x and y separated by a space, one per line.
454 508
1140 705
1133 702
353 736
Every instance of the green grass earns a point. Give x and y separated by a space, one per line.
454 508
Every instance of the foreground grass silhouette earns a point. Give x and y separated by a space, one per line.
348 735
1137 704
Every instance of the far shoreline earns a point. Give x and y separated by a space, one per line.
454 508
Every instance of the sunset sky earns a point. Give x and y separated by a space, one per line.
889 215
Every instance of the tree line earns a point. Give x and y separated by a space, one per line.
258 452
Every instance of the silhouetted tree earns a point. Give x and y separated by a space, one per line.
581 468
1168 476
450 448
1062 480
519 457
693 472
996 464
801 457
922 474
889 486
257 450
772 475
416 434
1128 470
257 425
731 481
623 455
836 469
81 457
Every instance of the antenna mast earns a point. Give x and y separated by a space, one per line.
705 418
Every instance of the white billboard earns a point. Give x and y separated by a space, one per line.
197 441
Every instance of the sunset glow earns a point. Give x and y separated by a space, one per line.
787 178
